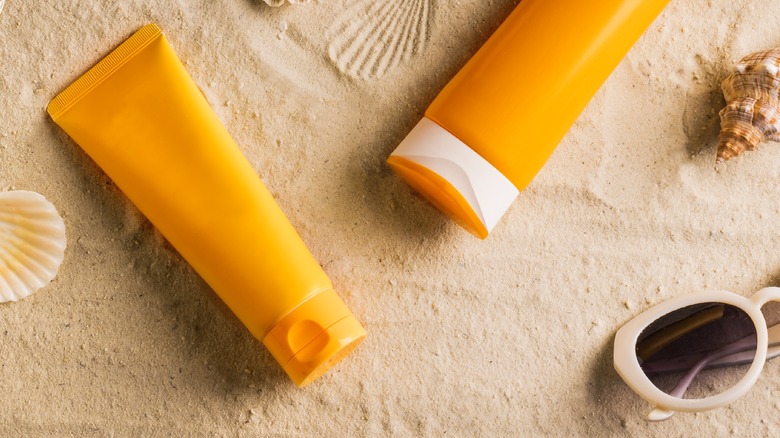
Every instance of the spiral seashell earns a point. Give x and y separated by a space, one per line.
373 36
752 112
32 243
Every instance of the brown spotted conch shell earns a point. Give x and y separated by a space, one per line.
752 113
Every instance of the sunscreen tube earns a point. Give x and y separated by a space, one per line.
143 120
492 128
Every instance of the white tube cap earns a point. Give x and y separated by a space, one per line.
453 177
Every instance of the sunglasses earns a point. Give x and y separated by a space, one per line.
699 351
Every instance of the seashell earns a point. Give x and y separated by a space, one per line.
32 243
277 3
373 36
752 113
2 4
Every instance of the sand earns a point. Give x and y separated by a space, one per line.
511 336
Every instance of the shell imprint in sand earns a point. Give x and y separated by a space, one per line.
32 243
276 3
752 113
373 36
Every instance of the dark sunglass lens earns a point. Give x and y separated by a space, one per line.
698 351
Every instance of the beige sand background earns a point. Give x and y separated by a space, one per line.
505 337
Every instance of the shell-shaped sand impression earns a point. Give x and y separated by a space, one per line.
752 112
373 36
32 243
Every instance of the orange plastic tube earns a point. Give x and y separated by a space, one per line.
140 116
492 128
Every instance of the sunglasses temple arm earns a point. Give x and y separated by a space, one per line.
746 356
683 363
735 347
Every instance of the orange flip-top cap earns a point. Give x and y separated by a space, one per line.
314 336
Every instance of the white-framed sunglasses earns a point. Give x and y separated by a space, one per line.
698 351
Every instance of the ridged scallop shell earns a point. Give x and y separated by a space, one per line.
32 243
277 3
752 112
373 36
2 4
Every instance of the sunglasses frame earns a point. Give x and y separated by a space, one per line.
627 364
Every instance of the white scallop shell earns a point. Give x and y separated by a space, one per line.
277 3
32 243
373 36
2 3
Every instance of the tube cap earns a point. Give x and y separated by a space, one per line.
313 337
453 177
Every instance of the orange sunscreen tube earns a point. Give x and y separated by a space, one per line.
491 129
141 117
